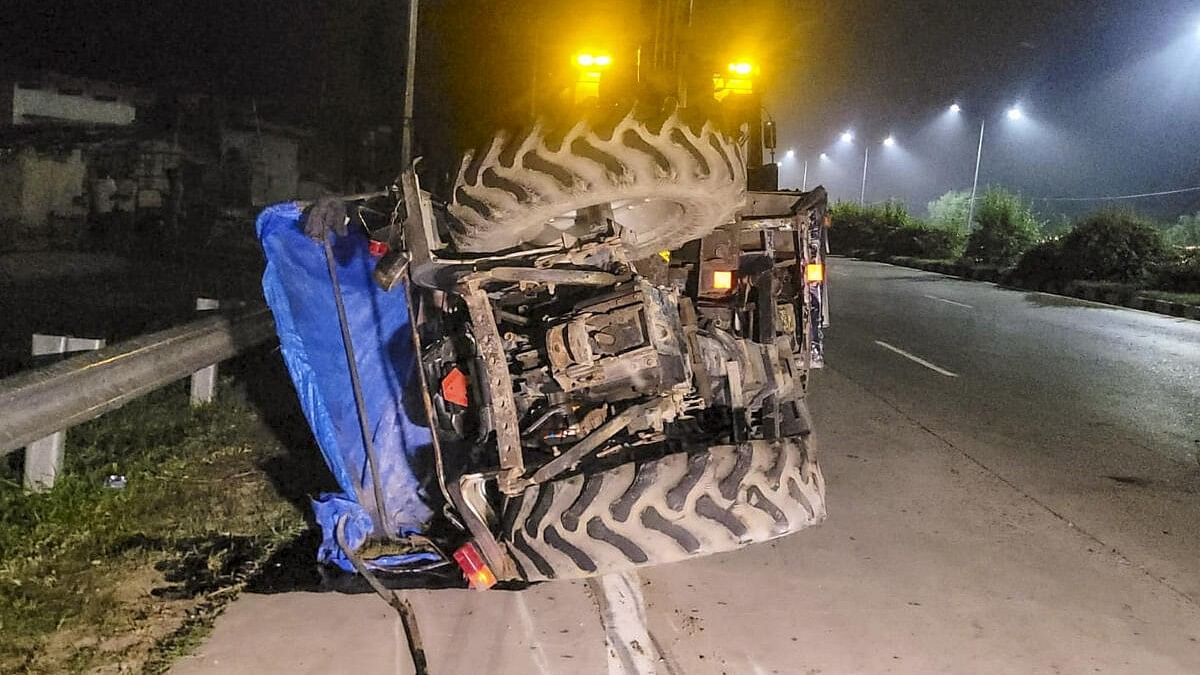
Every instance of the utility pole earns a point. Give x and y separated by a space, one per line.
975 184
410 67
862 198
804 181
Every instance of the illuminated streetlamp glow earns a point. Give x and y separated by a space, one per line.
1015 113
955 108
847 136
889 141
824 155
791 154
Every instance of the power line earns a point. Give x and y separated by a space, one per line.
1116 197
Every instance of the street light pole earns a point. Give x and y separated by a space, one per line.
862 197
804 181
410 67
975 183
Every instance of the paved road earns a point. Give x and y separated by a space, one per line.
1025 501
1092 410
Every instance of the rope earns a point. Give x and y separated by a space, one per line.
408 618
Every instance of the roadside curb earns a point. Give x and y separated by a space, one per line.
1120 297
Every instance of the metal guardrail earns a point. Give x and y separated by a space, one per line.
40 402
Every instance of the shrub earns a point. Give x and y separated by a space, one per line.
1044 262
1184 232
863 229
1181 275
1005 227
920 241
949 212
1113 246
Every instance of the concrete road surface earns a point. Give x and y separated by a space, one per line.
1013 488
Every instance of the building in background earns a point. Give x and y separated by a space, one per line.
80 158
45 98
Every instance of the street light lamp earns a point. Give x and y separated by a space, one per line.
847 136
955 108
791 154
888 142
824 156
1014 114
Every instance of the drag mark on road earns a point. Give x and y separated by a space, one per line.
631 649
916 359
949 302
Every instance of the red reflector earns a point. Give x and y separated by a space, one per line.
377 249
454 387
478 574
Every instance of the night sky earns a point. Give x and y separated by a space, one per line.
1111 89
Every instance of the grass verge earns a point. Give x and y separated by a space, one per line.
1170 296
96 579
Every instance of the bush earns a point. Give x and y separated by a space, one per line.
1181 275
949 212
920 241
863 229
1113 246
1042 263
1005 227
1184 232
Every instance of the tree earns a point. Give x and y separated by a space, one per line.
1005 227
949 212
1184 232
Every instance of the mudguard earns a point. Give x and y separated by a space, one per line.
299 292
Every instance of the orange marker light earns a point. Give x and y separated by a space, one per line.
814 273
478 574
722 279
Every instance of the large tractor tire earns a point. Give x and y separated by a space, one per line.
666 182
680 506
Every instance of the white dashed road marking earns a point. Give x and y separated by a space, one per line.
912 357
949 302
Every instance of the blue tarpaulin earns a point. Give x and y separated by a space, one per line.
299 291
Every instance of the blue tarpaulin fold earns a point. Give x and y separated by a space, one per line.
299 292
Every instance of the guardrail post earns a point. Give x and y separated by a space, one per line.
44 457
204 381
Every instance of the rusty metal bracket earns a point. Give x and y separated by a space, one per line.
493 553
571 458
499 384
